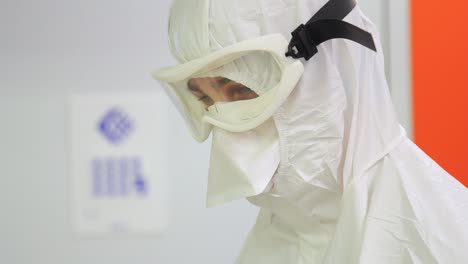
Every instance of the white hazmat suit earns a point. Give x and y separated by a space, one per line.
320 151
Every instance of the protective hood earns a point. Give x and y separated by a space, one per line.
225 39
202 40
258 64
246 41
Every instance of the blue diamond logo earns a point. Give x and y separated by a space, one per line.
116 126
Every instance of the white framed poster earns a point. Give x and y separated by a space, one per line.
118 163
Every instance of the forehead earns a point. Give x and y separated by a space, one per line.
199 84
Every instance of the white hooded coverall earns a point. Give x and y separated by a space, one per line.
335 176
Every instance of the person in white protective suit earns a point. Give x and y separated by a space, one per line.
303 127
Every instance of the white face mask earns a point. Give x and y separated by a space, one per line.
242 164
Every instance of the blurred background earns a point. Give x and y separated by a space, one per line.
63 63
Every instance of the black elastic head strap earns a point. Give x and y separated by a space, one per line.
334 9
325 25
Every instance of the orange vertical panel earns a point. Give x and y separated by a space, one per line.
440 82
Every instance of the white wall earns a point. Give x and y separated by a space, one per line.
392 19
52 49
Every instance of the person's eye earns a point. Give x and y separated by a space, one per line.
205 99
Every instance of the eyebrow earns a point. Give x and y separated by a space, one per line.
222 82
218 84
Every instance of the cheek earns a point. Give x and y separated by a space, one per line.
218 96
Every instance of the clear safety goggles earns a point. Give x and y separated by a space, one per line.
259 64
